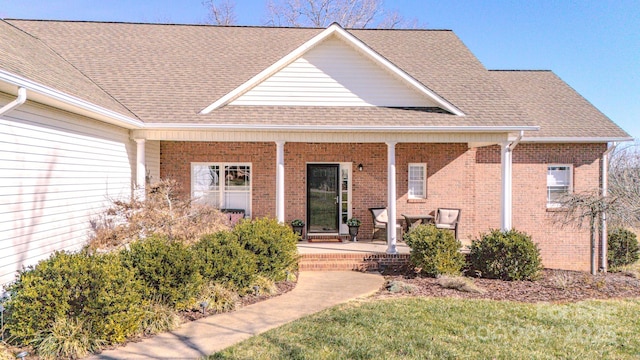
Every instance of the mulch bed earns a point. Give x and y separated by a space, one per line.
553 286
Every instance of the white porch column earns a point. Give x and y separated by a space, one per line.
506 203
280 181
141 169
391 201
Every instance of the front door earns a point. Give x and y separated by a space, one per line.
323 198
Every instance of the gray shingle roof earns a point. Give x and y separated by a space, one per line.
557 108
168 73
26 56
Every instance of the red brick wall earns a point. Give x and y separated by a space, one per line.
176 158
565 248
457 177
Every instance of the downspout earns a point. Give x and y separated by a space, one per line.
605 192
21 99
506 211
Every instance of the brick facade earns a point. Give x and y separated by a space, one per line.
457 177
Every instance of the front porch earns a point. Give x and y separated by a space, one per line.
357 256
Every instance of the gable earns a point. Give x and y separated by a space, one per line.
334 73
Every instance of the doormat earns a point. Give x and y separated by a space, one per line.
333 238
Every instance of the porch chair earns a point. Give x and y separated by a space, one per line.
380 219
448 219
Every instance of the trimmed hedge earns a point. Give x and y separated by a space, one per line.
434 251
95 290
510 255
274 245
167 269
622 247
222 259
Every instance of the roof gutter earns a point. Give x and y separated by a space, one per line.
363 128
21 99
605 192
67 99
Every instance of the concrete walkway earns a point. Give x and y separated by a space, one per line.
314 292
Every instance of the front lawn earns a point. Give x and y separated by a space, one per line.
423 328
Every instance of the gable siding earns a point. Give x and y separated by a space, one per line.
56 170
334 74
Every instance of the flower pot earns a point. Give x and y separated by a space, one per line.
353 231
298 230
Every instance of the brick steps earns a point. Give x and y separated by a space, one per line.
353 261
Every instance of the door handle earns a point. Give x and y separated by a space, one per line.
338 199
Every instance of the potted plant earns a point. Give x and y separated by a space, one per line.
298 226
354 226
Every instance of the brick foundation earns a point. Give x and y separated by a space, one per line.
457 177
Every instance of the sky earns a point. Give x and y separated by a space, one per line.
593 45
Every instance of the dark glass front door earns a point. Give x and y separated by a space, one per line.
323 198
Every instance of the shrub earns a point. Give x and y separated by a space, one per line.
95 291
158 318
274 245
264 286
218 298
222 259
459 283
507 255
168 271
163 212
67 339
434 251
622 248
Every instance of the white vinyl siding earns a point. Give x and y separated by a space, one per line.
56 171
223 185
334 74
417 181
559 183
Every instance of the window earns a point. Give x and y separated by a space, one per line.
559 183
223 185
417 181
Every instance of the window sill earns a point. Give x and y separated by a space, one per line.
416 201
556 209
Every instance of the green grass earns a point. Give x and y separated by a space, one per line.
420 328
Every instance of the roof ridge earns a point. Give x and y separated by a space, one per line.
519 70
213 25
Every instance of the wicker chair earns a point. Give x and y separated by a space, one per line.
380 219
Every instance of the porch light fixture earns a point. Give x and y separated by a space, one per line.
360 167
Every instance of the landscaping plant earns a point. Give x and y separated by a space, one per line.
168 270
93 297
434 251
274 245
622 247
509 255
163 212
222 259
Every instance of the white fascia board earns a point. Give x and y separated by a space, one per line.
295 54
575 139
68 99
363 128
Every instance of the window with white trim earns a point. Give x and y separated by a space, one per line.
417 181
559 183
223 185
